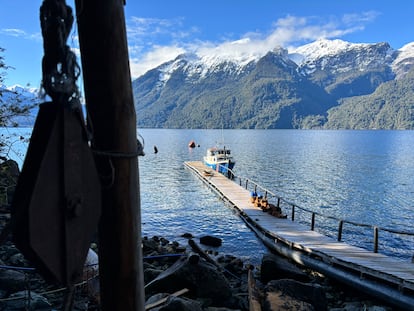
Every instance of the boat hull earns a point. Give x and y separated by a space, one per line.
222 168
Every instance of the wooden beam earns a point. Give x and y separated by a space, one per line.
254 300
110 105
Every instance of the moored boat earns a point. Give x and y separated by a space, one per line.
220 160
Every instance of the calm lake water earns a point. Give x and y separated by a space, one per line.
360 176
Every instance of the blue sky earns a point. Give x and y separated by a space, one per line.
159 30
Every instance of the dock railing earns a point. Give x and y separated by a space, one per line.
292 210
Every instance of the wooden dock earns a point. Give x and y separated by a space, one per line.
381 276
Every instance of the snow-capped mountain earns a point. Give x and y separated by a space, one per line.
280 88
322 54
339 56
29 92
404 60
23 96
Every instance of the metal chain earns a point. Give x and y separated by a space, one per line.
59 66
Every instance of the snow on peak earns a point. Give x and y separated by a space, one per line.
28 91
407 51
321 48
229 56
404 60
238 52
233 57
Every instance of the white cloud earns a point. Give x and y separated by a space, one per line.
153 58
363 18
147 53
13 32
20 33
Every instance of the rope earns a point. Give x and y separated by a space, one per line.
120 154
59 66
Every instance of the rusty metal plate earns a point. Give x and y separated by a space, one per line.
58 199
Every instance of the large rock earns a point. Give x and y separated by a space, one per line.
275 267
309 293
278 301
210 241
202 279
11 280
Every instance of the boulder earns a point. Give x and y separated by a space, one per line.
232 264
278 301
210 241
310 293
187 235
202 279
12 280
275 267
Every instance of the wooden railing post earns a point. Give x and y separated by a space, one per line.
293 212
375 239
341 225
278 202
313 221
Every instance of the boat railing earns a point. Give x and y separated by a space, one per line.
309 217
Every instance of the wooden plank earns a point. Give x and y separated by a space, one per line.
254 296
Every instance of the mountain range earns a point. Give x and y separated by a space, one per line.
329 84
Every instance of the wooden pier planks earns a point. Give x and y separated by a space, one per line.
309 242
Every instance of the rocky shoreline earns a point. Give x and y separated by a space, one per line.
170 268
193 277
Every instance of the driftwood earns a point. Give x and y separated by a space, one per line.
254 300
197 249
164 300
202 254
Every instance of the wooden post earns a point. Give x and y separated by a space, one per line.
108 91
340 227
293 212
375 239
313 222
